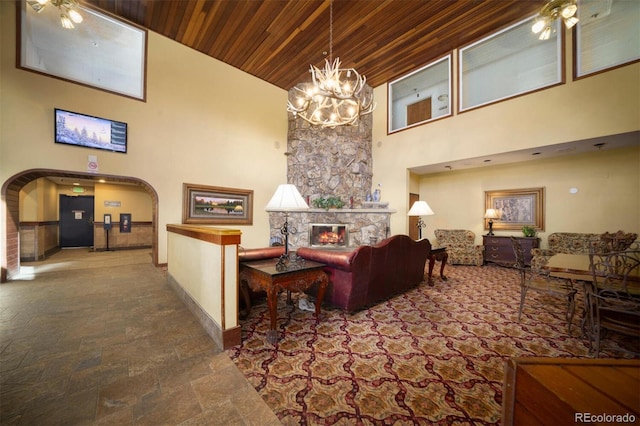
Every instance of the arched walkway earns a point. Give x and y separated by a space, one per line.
10 218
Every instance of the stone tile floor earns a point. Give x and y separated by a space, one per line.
100 338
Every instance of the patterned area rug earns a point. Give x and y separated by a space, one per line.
434 355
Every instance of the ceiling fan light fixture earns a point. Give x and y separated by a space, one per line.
68 13
570 22
569 10
546 34
66 22
554 9
75 16
539 25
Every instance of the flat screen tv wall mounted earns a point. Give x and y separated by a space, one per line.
72 128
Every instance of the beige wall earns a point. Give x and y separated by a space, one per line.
132 200
608 197
204 122
39 201
600 105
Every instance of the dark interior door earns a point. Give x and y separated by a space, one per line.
76 221
419 111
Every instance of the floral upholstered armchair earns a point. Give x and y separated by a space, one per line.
461 246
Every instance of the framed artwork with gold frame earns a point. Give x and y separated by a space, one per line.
517 208
215 205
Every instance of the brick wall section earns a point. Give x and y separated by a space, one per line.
141 235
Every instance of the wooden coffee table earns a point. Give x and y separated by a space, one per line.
440 254
263 275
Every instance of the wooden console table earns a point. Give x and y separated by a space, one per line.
560 391
440 254
498 249
263 275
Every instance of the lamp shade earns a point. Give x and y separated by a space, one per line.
492 214
420 208
286 199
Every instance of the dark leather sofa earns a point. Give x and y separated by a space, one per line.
370 274
364 276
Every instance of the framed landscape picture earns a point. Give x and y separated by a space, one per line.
216 205
517 208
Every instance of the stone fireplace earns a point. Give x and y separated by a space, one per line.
325 162
364 226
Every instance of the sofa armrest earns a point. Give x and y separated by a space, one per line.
342 260
249 255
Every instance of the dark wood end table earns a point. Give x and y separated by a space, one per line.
440 254
263 275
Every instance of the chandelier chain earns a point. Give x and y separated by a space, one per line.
335 97
331 31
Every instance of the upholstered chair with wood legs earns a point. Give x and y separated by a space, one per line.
461 246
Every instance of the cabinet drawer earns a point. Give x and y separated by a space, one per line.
499 257
497 242
498 249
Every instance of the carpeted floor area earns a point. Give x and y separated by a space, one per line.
434 355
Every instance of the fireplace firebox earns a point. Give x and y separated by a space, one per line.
328 235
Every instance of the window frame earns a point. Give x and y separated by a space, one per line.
443 96
521 26
41 42
578 41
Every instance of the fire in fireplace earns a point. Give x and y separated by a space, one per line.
328 235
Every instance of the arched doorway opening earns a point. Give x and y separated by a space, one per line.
10 206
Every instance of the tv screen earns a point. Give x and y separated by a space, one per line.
73 128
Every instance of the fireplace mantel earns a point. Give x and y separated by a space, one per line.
344 211
366 225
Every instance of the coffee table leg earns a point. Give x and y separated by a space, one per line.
442 264
272 301
432 261
246 297
324 281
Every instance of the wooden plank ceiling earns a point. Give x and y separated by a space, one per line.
277 40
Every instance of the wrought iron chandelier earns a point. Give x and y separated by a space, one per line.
335 96
68 13
565 9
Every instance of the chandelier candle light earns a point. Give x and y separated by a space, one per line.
420 208
554 9
335 96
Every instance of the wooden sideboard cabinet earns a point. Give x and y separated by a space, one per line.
499 250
